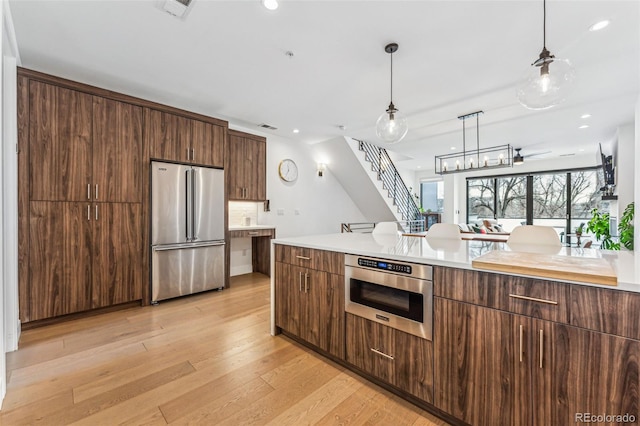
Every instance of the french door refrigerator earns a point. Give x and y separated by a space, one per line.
187 230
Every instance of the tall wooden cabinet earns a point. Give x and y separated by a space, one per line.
247 167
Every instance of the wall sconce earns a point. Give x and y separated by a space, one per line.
321 168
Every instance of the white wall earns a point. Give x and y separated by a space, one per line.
8 188
624 160
310 205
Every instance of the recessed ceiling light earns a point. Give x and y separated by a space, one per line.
453 148
585 116
296 130
419 167
599 25
581 150
584 126
270 4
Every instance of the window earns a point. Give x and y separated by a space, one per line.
432 196
562 199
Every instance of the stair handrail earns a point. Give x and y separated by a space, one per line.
387 172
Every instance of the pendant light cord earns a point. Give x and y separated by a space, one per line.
391 97
544 24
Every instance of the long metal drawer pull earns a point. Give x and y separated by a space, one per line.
533 299
96 212
88 212
88 191
306 282
303 257
96 191
300 281
253 233
541 347
521 339
382 353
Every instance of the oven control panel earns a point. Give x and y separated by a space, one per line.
384 265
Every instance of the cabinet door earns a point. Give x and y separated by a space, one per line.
77 236
46 259
117 151
236 173
414 365
583 371
314 288
255 169
168 135
475 364
207 143
59 143
117 254
59 259
371 347
288 287
331 314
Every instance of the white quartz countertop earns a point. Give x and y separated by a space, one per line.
250 227
459 254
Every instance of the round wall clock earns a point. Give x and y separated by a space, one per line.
288 170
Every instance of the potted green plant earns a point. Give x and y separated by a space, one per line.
598 225
625 227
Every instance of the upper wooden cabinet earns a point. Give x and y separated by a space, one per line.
82 147
60 127
176 138
247 167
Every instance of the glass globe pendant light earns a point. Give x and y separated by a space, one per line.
391 126
548 80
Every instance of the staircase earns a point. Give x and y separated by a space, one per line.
392 182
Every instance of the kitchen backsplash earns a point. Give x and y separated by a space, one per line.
239 210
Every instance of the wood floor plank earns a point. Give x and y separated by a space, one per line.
314 407
205 359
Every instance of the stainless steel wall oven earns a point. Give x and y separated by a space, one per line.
397 294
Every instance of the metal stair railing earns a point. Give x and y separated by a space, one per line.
386 171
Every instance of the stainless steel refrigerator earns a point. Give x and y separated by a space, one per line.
187 230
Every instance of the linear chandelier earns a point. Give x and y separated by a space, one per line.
474 159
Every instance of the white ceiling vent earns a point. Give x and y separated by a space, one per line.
267 126
176 8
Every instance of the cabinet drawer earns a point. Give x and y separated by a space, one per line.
248 233
608 311
371 347
547 300
477 288
321 260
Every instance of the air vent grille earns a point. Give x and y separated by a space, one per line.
267 126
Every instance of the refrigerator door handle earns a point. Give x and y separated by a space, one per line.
189 205
187 246
194 230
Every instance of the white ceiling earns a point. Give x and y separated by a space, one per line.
228 59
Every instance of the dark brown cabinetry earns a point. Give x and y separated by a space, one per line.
310 298
83 147
176 138
247 166
80 256
400 359
521 357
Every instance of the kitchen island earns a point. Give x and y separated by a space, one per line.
505 348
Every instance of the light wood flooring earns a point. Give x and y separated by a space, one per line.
206 359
